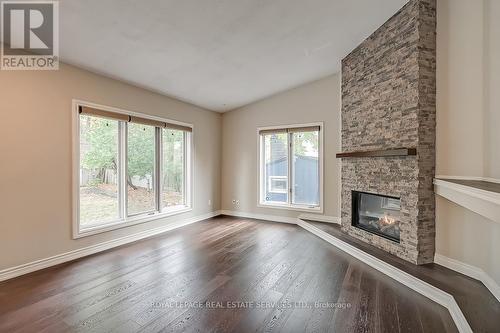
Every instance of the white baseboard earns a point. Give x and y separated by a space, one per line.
283 219
13 272
422 287
272 218
471 271
320 218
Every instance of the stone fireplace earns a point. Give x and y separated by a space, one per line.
388 105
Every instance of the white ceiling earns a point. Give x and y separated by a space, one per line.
217 54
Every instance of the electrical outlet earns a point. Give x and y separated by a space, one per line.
209 202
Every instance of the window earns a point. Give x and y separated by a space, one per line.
140 169
305 167
290 167
174 169
99 171
276 167
131 169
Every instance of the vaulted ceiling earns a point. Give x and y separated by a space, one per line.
217 54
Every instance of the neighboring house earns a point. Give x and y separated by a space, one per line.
305 182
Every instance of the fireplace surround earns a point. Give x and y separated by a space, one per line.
389 102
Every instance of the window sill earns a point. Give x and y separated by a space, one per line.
296 208
128 222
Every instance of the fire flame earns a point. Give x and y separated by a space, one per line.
387 220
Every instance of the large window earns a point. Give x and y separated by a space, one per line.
131 169
290 167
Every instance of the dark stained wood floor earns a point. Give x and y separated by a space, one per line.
479 306
153 285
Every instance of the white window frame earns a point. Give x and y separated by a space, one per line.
261 171
124 220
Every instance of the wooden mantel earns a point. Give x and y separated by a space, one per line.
380 153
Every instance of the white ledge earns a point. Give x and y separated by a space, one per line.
485 203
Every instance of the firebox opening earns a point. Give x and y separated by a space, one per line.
378 214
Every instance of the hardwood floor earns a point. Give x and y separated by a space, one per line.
221 275
479 306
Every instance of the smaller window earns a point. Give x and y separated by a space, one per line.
290 167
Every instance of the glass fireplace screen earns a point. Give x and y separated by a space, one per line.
377 214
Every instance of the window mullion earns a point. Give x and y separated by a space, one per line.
123 169
188 177
185 169
158 168
264 169
290 170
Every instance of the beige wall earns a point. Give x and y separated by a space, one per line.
492 88
460 148
468 81
35 157
468 237
468 118
313 102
